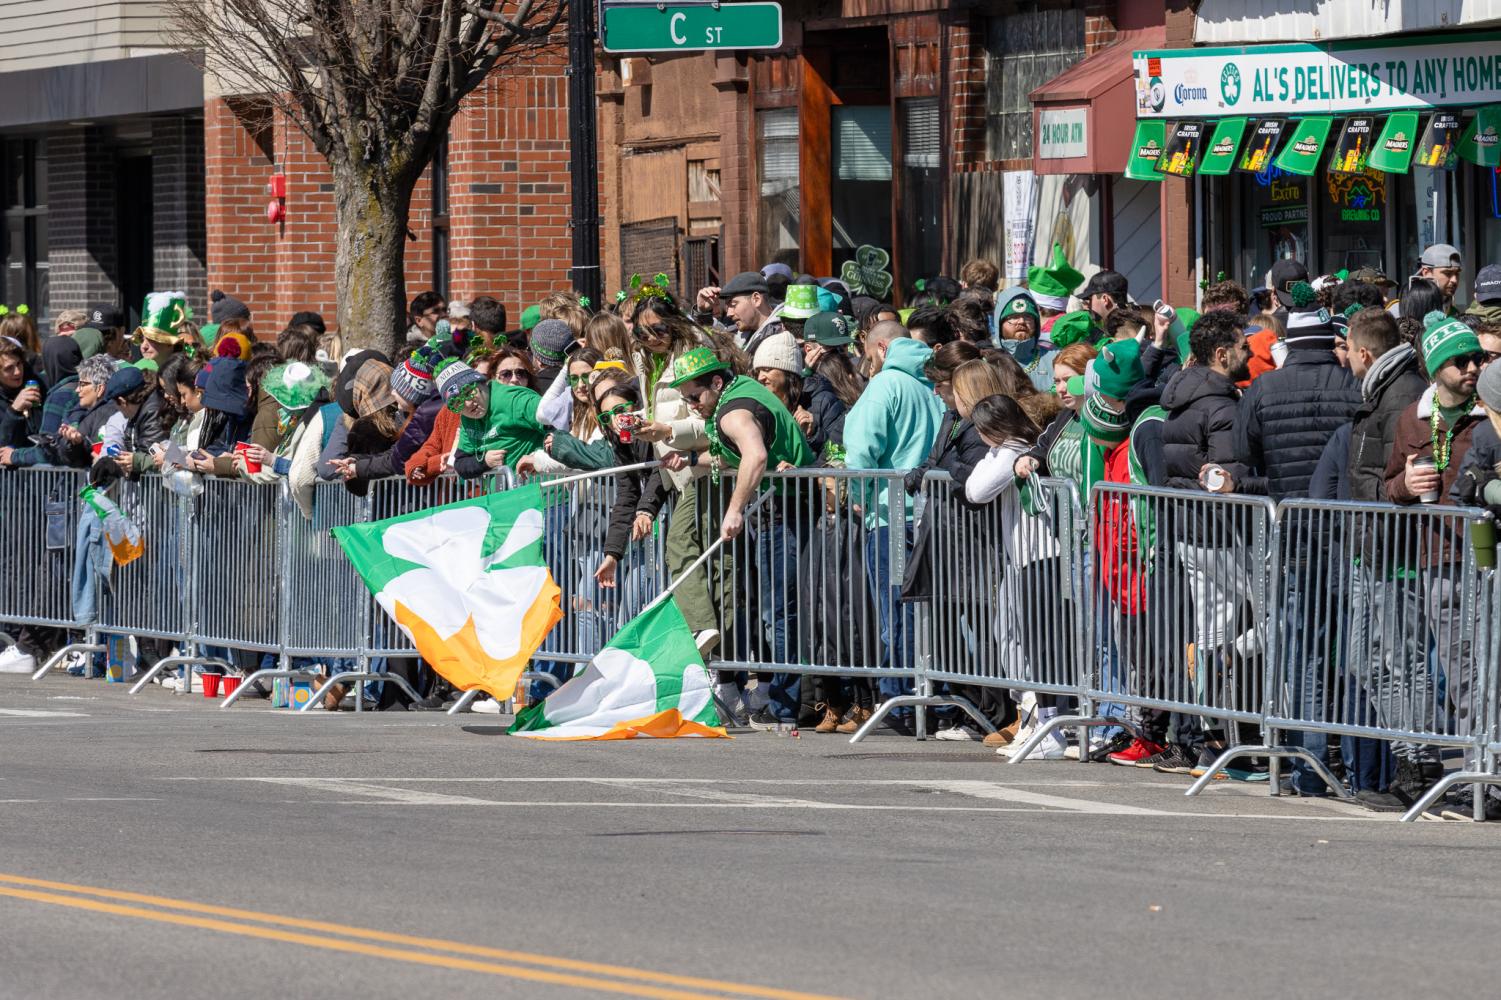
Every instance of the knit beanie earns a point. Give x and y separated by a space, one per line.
1117 369
1105 423
1051 286
412 380
1445 338
232 345
1015 301
452 375
223 308
1309 325
781 352
550 340
1489 387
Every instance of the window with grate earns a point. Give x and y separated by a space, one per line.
442 260
778 218
1023 52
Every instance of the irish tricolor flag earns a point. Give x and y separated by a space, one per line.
648 681
466 581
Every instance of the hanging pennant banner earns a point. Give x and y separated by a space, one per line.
1394 146
1481 142
1146 150
1353 151
1219 155
1440 146
1262 144
1184 146
1301 153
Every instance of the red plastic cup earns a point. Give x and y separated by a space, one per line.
210 685
229 684
97 448
241 449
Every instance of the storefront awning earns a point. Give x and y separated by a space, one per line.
1082 119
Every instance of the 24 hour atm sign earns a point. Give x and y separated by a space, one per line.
1329 78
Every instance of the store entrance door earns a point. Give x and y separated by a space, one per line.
134 236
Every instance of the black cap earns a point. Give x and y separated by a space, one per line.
1111 283
105 317
1488 283
1286 274
744 283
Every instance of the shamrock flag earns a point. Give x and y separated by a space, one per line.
121 534
466 581
648 681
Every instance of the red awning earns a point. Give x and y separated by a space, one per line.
1082 119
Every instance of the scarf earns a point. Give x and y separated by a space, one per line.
1385 368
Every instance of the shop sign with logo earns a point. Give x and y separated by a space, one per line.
1348 77
1261 146
1353 151
1062 134
1181 154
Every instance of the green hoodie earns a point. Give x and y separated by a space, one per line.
893 423
510 423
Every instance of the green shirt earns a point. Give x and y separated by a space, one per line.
785 439
510 423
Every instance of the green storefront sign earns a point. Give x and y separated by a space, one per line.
1224 144
1146 150
1393 150
643 28
1300 154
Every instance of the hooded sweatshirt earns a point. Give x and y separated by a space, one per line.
894 422
509 424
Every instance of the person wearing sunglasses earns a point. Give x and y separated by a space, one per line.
498 419
583 443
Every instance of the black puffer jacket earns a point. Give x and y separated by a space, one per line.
956 450
828 413
1200 429
1289 415
639 491
1397 385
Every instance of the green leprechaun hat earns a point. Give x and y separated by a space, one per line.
1051 286
162 314
802 302
697 363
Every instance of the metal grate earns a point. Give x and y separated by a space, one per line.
648 248
700 263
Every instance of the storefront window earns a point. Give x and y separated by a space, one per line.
1275 218
860 197
1429 214
1488 195
779 216
1353 221
920 226
1022 52
25 185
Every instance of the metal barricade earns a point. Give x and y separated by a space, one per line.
1384 627
1005 608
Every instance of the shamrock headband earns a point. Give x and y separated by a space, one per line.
653 289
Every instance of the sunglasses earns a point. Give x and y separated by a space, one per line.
461 397
511 375
606 416
693 397
1476 360
578 380
659 328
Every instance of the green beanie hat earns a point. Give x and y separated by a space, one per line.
1073 327
1117 369
530 317
1445 338
1181 325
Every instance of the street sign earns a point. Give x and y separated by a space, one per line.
642 28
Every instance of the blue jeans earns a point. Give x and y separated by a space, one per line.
1306 652
776 552
896 618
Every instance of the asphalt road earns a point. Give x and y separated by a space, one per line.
156 847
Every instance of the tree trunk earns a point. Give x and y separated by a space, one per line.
372 209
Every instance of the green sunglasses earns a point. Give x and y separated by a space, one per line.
613 412
461 397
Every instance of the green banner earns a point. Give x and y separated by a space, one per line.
1146 150
1301 153
1392 153
1481 142
1219 156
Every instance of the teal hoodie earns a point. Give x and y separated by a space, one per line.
894 422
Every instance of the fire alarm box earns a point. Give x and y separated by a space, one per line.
277 186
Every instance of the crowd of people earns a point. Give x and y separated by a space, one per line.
1349 386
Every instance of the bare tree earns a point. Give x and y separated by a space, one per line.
374 85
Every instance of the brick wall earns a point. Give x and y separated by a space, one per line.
81 241
178 236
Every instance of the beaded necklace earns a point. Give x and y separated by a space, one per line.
1444 450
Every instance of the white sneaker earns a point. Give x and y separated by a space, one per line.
485 706
958 732
1051 748
706 640
13 661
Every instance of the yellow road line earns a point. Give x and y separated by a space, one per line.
538 975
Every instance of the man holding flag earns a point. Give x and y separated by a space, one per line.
750 430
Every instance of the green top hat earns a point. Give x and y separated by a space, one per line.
161 315
802 302
697 363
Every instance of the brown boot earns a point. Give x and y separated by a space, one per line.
1003 737
334 698
854 720
830 721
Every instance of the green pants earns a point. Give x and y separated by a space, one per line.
694 526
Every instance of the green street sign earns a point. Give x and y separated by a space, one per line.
645 28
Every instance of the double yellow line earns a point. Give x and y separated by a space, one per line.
521 965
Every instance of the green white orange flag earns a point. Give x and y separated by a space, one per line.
121 533
466 581
648 681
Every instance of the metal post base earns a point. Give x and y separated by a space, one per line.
174 661
358 675
263 675
469 697
1231 753
62 654
1449 781
920 723
1081 722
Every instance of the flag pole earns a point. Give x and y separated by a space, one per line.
567 480
683 576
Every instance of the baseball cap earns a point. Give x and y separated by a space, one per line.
1371 276
105 317
1440 255
777 270
1284 275
827 328
744 283
1488 283
1111 283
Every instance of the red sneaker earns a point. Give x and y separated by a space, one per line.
1138 750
